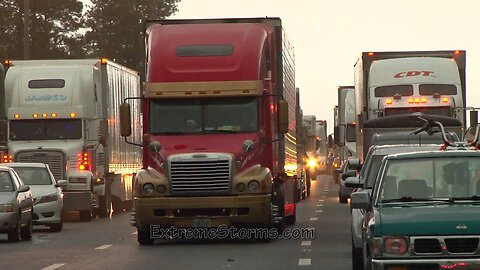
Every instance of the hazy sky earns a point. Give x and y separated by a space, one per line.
329 36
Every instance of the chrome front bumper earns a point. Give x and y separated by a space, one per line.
444 263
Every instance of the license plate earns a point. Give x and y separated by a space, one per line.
201 222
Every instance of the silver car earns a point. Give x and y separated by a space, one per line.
46 191
16 206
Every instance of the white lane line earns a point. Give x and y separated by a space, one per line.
306 243
319 205
53 266
321 200
134 233
319 211
304 262
103 247
313 219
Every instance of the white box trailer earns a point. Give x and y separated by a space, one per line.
65 113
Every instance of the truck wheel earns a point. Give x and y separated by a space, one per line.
290 220
279 202
309 185
27 231
117 204
86 215
104 206
143 236
14 235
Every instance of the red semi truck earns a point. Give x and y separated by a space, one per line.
219 118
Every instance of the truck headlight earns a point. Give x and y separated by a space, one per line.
253 185
161 189
312 162
395 245
241 187
7 207
148 188
48 198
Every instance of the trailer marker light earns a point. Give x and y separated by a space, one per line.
371 54
54 115
35 115
457 52
389 101
424 100
410 100
44 115
417 100
103 61
445 100
16 116
73 115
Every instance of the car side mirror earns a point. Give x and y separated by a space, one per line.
61 183
349 173
360 200
353 182
23 188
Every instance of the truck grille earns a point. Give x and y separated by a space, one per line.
461 245
208 174
54 159
427 246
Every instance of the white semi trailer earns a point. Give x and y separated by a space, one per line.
65 113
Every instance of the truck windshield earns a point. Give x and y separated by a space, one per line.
456 178
208 115
59 129
442 89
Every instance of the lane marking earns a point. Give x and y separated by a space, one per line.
319 205
321 200
304 262
313 219
319 211
134 232
306 243
53 266
103 247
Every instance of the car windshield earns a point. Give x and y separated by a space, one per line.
454 178
6 184
209 115
34 176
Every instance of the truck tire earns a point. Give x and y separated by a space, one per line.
143 236
279 200
86 215
14 235
291 220
104 204
27 231
117 204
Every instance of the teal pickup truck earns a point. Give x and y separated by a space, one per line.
423 212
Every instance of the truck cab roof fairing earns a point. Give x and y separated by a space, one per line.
240 63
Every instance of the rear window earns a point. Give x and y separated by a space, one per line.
442 89
48 83
390 91
204 50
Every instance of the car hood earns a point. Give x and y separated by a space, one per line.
6 197
42 190
429 219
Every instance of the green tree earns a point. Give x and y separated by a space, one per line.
115 28
54 29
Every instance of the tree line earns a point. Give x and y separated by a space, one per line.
60 29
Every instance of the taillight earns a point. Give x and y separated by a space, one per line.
84 162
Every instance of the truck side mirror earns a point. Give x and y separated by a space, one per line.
125 120
283 116
336 136
103 132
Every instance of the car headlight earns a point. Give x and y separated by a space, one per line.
395 245
48 198
148 188
7 207
253 185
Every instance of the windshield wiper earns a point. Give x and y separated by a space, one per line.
410 199
473 198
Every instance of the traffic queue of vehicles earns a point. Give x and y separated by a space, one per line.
416 190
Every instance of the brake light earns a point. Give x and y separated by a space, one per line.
7 62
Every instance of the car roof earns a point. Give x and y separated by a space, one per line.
4 168
25 164
434 154
402 148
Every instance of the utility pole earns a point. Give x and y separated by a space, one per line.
26 29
